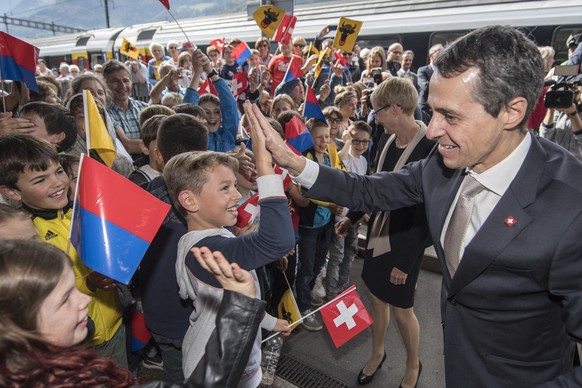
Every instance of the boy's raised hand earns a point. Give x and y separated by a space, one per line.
259 125
230 276
266 138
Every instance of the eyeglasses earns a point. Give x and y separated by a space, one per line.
362 142
331 120
347 54
299 45
263 45
380 110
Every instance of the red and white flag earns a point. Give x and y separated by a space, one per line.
284 175
218 43
239 85
285 29
248 211
207 88
345 316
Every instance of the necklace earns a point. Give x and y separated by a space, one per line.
400 146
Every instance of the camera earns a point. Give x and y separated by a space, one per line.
563 93
376 74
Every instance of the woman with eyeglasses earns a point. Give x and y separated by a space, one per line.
396 240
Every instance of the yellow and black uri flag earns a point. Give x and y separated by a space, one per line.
346 35
288 309
129 49
268 18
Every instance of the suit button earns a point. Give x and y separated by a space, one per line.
452 301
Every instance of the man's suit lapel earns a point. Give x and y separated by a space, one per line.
494 235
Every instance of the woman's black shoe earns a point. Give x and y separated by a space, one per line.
417 377
364 379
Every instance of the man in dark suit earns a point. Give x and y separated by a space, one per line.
424 74
512 302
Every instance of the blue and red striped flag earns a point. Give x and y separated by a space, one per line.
114 221
297 135
311 107
18 60
241 53
140 334
293 71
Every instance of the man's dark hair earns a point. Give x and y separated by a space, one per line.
509 65
181 133
113 65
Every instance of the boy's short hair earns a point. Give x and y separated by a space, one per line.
189 171
330 110
57 119
67 161
360 126
181 133
211 49
208 97
9 213
153 110
276 126
313 124
192 110
44 89
149 129
21 152
171 99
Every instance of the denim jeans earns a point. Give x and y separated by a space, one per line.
342 252
312 251
171 349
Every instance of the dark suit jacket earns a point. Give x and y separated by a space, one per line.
424 75
513 310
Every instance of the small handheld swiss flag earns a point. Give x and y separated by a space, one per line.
207 88
248 211
218 43
239 85
345 317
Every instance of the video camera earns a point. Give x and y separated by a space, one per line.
562 94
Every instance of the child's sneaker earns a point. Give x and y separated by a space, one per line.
311 323
153 359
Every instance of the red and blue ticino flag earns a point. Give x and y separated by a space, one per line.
297 135
311 107
241 53
114 221
18 60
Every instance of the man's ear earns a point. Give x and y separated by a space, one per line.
10 193
188 201
515 111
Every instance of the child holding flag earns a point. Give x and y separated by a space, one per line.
30 172
202 187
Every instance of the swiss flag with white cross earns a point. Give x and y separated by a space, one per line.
345 316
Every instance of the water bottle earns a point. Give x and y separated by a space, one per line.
271 353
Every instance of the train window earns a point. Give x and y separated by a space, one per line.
382 40
561 35
82 41
146 35
444 38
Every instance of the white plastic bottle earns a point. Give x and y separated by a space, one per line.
271 353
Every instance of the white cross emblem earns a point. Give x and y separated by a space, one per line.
252 210
346 315
234 86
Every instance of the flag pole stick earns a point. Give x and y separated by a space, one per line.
2 88
184 32
313 312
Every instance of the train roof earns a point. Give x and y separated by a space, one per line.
380 17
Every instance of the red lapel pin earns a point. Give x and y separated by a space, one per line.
510 221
